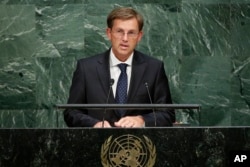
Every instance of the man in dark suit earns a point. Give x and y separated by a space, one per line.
95 75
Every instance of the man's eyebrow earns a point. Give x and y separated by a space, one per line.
133 30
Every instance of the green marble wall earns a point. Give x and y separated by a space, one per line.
205 45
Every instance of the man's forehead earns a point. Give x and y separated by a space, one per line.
128 24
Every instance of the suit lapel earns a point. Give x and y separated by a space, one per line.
138 69
104 73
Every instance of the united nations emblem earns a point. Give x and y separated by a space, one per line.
128 150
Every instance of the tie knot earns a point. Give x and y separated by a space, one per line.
123 67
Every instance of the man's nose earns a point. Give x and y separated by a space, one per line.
125 36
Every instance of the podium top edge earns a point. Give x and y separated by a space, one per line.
129 106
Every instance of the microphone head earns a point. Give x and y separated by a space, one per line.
146 84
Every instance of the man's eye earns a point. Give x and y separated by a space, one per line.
119 31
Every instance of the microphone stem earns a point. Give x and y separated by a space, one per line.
146 84
104 113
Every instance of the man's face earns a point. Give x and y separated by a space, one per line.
124 36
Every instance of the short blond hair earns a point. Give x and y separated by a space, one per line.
124 13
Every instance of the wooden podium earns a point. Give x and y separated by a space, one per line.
89 147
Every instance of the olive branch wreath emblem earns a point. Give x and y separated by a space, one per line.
150 147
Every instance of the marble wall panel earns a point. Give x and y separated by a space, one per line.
198 83
205 29
30 118
18 42
240 39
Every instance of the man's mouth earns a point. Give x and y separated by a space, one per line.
123 46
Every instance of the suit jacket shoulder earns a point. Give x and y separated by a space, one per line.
141 57
101 57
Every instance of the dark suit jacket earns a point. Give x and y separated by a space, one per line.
91 83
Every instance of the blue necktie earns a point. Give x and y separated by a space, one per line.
121 89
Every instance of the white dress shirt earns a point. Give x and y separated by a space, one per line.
115 70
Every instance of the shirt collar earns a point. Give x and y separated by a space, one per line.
114 61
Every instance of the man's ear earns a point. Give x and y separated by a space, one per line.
108 33
139 36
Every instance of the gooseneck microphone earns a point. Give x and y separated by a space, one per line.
146 85
110 88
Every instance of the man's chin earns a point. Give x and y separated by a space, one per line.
125 52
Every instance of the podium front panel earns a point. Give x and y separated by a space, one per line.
159 147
